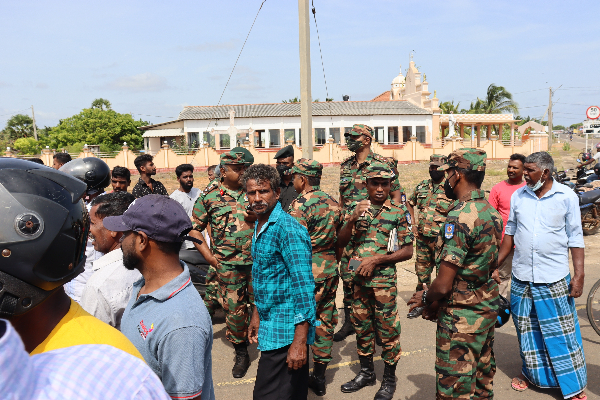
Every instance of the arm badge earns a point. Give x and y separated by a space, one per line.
449 231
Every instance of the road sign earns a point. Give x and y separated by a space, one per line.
593 112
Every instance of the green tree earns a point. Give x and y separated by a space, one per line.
98 126
328 98
448 106
294 100
18 126
576 126
28 145
102 104
498 100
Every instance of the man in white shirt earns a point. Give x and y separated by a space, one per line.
108 289
186 195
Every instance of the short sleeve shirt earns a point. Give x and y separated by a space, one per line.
370 237
433 205
173 330
353 182
321 215
470 240
224 210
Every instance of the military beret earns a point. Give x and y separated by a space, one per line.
379 170
287 151
248 157
233 157
437 159
307 167
469 159
361 129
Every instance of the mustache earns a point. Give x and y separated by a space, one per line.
262 203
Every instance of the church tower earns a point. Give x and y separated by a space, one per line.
397 85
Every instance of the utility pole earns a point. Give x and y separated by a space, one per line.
34 128
551 137
305 83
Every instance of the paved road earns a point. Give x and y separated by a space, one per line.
416 379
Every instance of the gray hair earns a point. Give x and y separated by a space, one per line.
260 173
542 159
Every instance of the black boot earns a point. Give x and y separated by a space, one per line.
347 329
365 377
316 380
388 384
242 360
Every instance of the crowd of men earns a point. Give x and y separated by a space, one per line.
115 272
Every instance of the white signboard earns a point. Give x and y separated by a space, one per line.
593 112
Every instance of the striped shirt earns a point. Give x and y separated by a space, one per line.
282 280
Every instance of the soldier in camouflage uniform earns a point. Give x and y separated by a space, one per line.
376 235
321 215
353 188
222 206
432 203
463 297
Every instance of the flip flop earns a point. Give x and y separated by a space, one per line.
520 382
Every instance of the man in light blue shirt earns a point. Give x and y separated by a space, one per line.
543 225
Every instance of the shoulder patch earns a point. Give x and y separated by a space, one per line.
449 231
403 198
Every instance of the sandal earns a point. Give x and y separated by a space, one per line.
519 384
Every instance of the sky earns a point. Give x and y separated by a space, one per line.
152 58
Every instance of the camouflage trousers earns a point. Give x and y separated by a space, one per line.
327 313
425 259
465 364
376 308
233 292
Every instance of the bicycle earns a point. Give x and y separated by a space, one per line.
593 307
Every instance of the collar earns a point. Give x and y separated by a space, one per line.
283 185
169 290
233 193
310 189
275 214
368 160
473 195
144 183
107 259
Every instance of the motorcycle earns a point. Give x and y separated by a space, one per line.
198 267
584 172
589 203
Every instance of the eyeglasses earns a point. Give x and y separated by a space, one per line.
348 134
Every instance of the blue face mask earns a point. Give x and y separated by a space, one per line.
537 185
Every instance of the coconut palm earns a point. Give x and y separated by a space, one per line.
498 100
448 106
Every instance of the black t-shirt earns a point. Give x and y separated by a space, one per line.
141 189
288 194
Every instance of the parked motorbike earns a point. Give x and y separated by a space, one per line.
198 267
589 203
584 172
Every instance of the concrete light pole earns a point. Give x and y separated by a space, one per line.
305 83
551 135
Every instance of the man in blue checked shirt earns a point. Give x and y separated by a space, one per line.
283 291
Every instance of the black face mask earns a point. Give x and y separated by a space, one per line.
284 170
448 190
436 176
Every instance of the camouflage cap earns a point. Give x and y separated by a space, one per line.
248 157
307 167
233 157
467 158
437 160
361 129
379 170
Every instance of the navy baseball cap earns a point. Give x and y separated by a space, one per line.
160 217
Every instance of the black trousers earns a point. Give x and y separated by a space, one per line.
274 381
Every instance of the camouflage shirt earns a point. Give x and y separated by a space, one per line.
353 183
433 206
470 240
321 216
370 237
224 209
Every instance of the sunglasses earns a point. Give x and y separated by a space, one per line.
348 134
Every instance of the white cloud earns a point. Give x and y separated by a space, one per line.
146 82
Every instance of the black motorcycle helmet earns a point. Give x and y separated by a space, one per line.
503 312
44 227
94 172
597 169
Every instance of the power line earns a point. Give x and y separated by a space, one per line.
528 91
234 65
15 112
322 64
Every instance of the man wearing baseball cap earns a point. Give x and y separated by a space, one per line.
429 198
166 318
463 297
321 215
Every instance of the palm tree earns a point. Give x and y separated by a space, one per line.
498 100
448 106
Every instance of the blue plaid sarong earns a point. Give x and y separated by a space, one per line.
549 335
